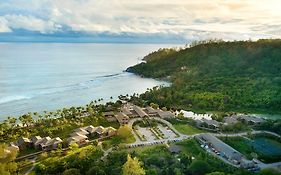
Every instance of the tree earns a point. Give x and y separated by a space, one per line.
124 131
132 167
268 171
71 171
73 146
95 170
7 157
199 167
216 173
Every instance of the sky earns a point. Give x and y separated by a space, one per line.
155 20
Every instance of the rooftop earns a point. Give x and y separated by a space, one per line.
220 146
165 114
139 111
175 149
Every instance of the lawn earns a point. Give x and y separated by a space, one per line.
145 148
187 129
191 147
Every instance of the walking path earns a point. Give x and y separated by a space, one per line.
33 165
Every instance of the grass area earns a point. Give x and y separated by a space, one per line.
265 149
24 170
191 147
27 151
145 148
187 129
117 140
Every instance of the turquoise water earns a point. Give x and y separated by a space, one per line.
49 76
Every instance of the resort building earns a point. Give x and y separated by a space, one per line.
109 116
51 144
35 140
122 118
211 124
13 146
225 151
219 147
126 109
175 149
77 138
230 120
165 114
81 131
99 130
90 129
151 111
109 131
23 143
251 119
140 111
41 143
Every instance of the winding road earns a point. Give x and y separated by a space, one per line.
181 137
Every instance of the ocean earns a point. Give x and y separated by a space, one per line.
35 77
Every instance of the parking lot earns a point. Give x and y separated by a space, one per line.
147 133
168 133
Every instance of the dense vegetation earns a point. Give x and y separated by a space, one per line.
58 123
149 160
216 75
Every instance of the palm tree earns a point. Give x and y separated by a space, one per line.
12 121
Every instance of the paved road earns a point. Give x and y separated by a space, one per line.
246 133
182 137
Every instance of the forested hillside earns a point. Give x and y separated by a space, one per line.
217 75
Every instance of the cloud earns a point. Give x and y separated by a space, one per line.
30 23
198 19
3 25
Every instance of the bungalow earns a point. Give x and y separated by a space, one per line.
51 144
122 118
99 130
23 143
81 131
110 131
41 143
140 111
109 116
79 139
35 140
165 114
90 129
13 146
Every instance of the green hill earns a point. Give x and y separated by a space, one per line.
217 75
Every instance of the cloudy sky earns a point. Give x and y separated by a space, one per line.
174 19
